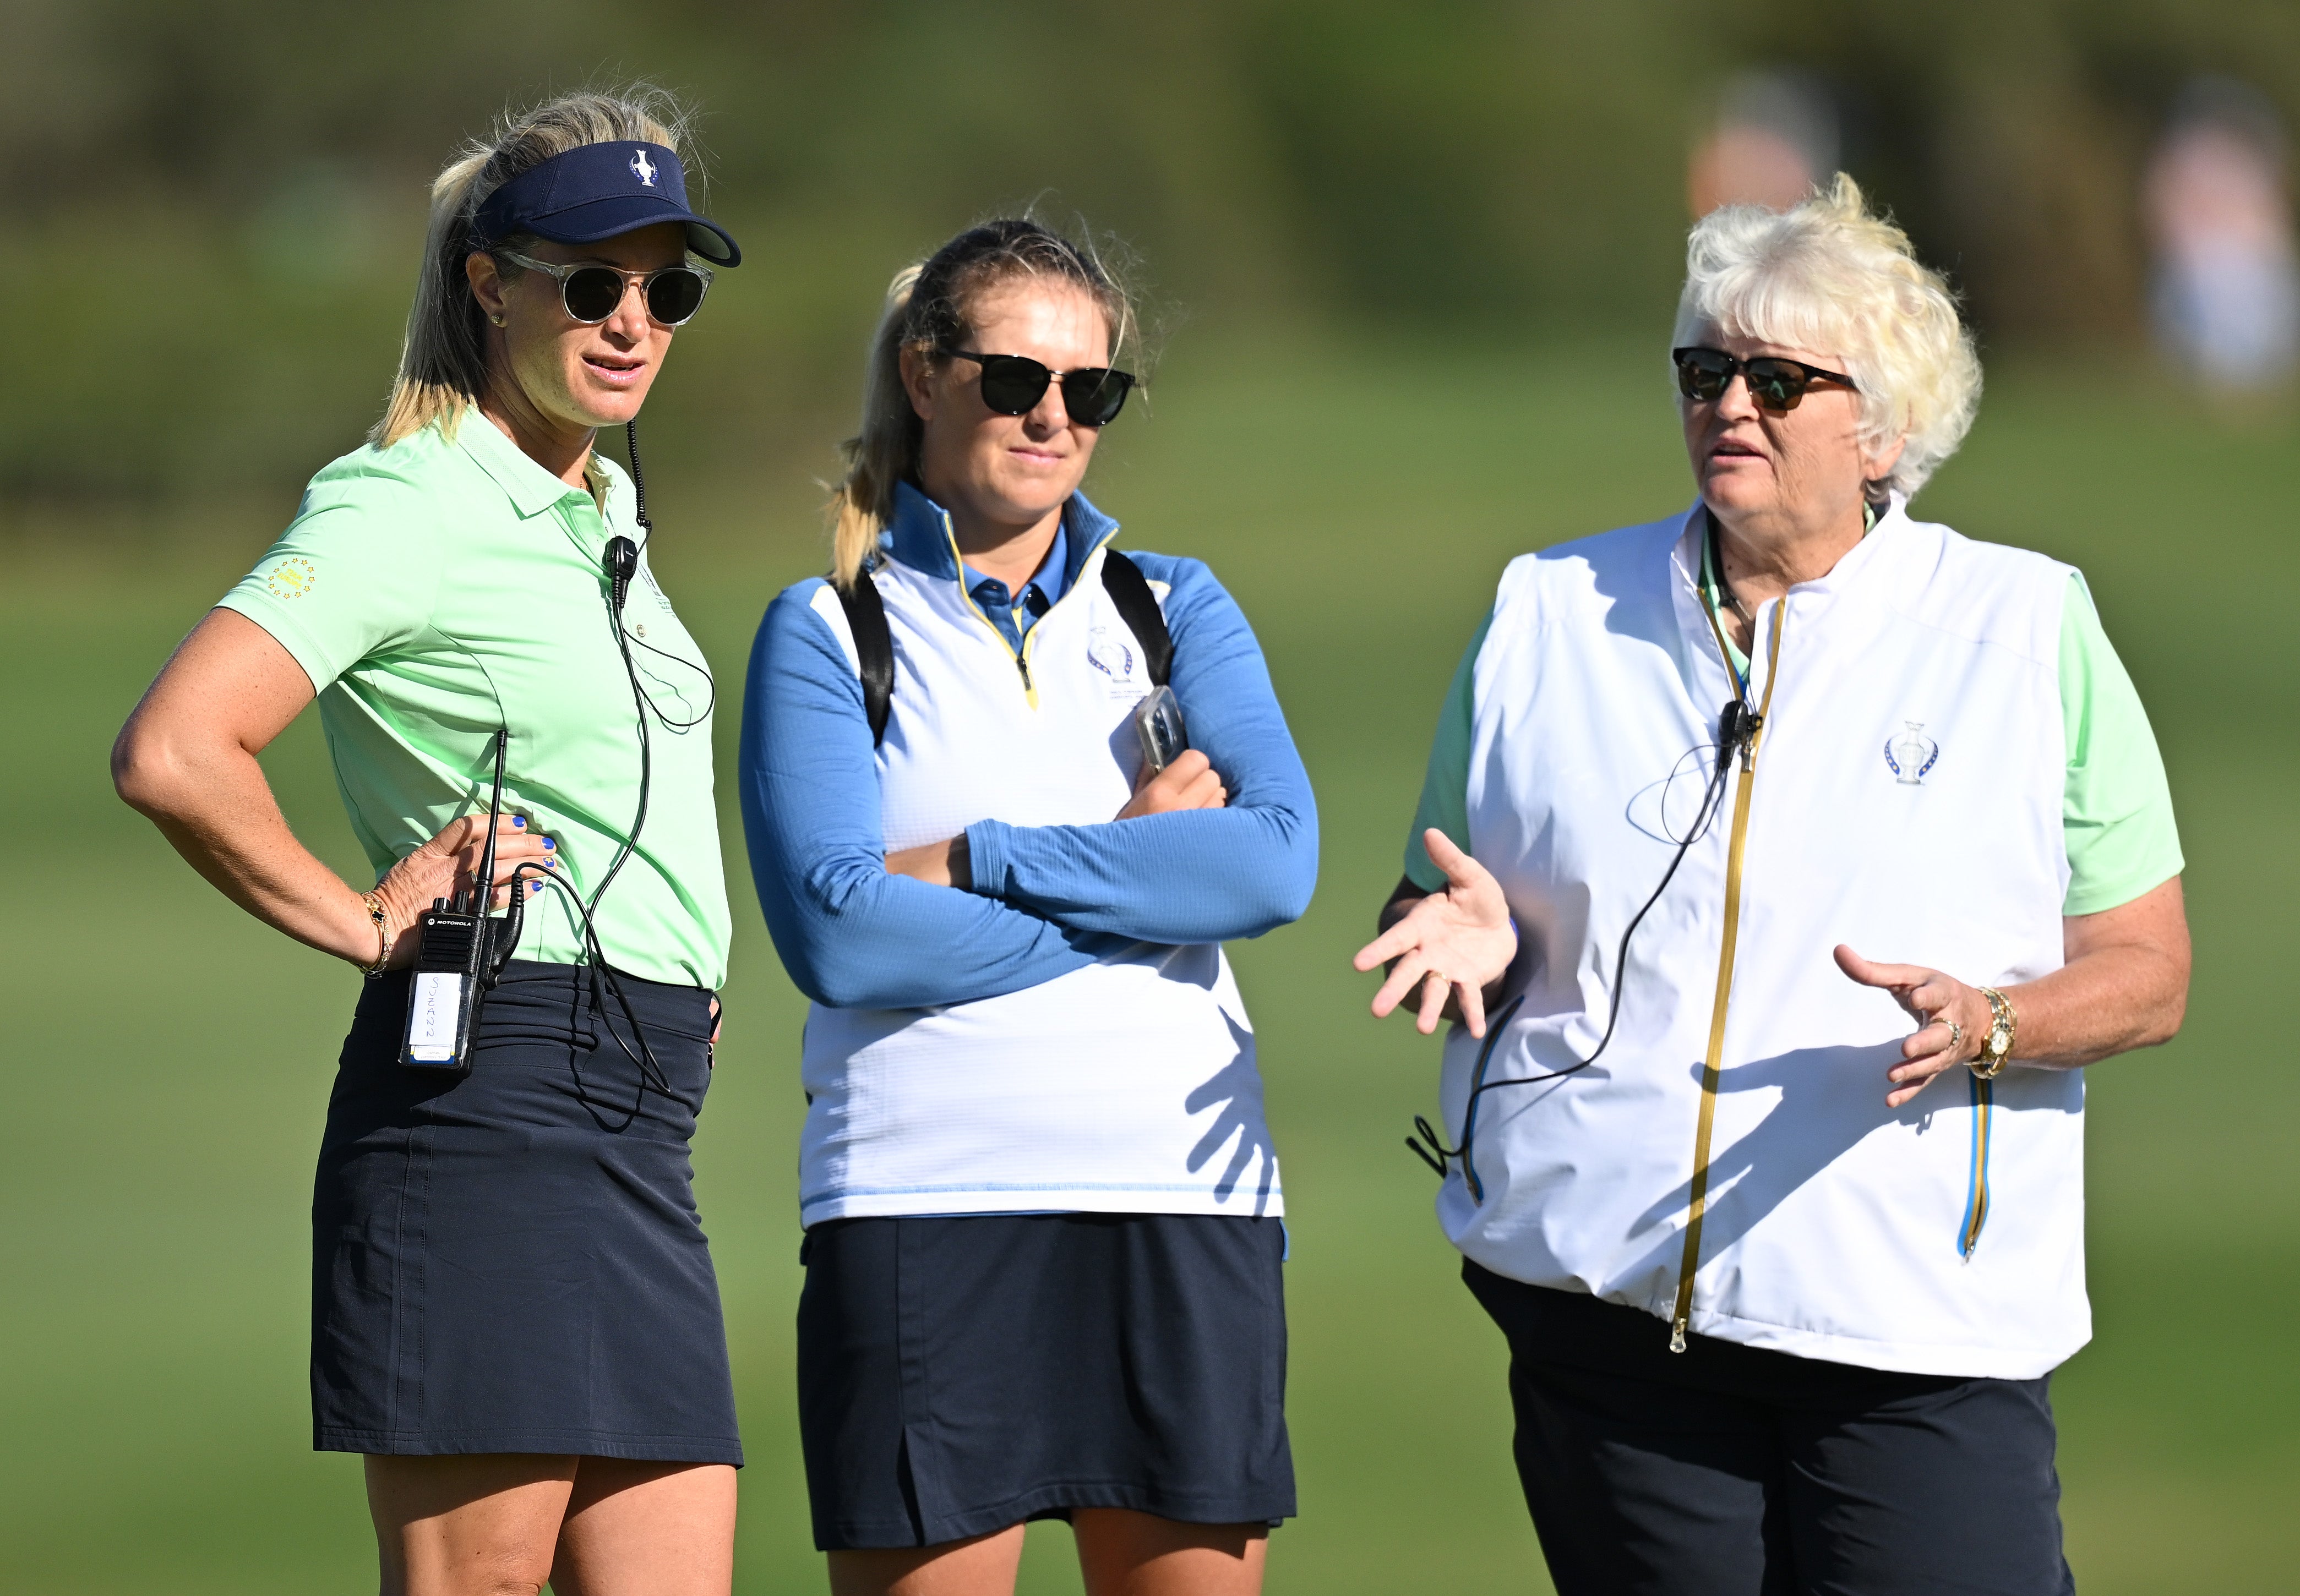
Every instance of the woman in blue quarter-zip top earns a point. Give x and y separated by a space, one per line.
1041 1203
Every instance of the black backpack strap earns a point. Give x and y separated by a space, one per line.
874 649
1138 606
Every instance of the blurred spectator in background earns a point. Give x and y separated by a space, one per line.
1776 133
2227 282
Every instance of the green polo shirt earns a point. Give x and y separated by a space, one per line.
446 585
2116 809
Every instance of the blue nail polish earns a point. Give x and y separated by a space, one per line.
548 845
520 821
535 887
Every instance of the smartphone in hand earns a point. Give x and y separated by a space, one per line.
1158 722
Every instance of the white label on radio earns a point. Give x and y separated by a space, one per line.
431 1011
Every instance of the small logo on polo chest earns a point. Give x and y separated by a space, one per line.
1108 655
1912 754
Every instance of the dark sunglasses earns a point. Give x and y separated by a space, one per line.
1013 384
592 294
1778 384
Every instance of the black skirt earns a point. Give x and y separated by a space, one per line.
959 1375
511 1260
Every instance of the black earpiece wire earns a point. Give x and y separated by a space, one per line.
621 564
1737 730
1437 1155
605 982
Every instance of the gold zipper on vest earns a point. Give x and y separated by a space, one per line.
1682 1314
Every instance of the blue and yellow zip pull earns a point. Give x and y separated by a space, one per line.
1976 1201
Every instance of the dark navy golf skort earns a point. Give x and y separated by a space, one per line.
511 1260
957 1376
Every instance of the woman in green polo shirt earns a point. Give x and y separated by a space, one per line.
515 1312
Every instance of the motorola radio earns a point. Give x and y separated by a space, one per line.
460 950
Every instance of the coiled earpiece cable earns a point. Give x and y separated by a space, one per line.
621 566
1736 731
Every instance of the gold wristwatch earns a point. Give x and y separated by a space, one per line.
1998 1045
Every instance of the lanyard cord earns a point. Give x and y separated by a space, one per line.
1736 732
1713 1061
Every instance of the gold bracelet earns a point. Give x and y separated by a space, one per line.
381 916
2004 1024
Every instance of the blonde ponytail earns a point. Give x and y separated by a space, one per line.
887 448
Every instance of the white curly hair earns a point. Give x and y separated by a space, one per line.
1828 275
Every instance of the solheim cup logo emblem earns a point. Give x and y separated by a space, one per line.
643 168
1912 754
1108 655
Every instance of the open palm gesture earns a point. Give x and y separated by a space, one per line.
1452 944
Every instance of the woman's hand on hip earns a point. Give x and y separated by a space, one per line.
1953 1020
1452 944
187 759
1190 782
449 863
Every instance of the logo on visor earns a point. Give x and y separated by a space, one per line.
643 168
1912 754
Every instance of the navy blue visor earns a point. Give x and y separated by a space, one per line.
598 191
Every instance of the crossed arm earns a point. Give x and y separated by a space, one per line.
1222 845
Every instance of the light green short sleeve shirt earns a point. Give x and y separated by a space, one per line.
442 587
2116 813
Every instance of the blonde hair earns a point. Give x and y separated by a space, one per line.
443 364
928 311
1828 275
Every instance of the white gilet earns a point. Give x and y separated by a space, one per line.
1905 799
1126 1087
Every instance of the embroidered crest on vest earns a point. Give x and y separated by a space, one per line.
1912 754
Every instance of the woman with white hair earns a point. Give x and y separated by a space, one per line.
1783 1282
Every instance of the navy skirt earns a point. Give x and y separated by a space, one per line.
511 1260
958 1375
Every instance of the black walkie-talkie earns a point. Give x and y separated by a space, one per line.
460 950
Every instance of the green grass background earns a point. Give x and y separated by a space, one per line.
169 1059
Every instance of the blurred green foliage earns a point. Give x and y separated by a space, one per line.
168 1058
215 211
1420 258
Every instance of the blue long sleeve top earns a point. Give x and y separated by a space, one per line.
1046 900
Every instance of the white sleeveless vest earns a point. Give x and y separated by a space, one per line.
1906 798
1128 1086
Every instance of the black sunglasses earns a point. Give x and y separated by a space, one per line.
1013 384
592 294
1776 383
